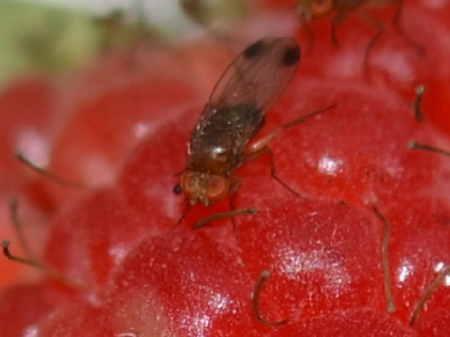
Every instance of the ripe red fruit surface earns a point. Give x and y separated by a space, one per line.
148 276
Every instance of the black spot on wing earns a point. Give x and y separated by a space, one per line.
291 56
259 75
254 50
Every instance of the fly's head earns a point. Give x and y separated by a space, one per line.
314 9
202 187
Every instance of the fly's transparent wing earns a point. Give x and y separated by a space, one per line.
259 75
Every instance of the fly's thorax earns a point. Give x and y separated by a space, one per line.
217 143
218 160
204 187
315 9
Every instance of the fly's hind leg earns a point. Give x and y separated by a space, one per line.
261 146
235 184
273 170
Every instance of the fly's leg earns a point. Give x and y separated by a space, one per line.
337 20
251 153
273 172
206 220
304 118
397 19
235 184
260 147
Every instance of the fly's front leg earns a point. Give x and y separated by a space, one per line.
255 153
235 184
206 220
261 148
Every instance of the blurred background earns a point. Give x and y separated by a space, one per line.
58 35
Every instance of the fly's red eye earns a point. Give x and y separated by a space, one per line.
321 8
217 188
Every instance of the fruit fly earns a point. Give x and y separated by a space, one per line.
233 116
317 9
